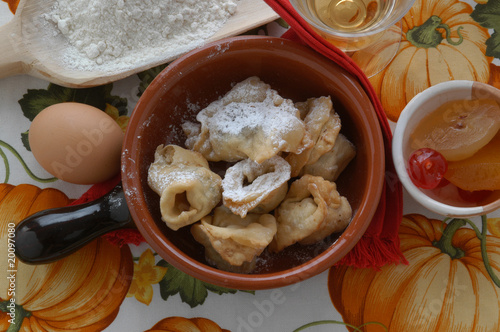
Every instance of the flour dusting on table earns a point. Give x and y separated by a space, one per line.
124 33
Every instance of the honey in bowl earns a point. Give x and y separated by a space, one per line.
348 15
466 135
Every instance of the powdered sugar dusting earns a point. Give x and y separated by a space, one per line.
264 178
251 120
249 105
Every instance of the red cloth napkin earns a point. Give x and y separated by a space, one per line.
380 244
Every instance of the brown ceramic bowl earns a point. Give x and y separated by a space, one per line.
205 74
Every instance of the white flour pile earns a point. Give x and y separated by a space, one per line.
124 33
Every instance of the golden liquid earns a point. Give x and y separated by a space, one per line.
348 15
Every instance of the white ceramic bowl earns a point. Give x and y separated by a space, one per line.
420 106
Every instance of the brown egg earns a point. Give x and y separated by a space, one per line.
76 143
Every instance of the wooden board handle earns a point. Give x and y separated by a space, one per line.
11 59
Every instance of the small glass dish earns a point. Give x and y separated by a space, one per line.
356 26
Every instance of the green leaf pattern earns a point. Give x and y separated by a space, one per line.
488 16
191 290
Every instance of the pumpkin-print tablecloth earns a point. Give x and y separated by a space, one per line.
450 284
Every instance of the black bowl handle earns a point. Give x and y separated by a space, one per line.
52 234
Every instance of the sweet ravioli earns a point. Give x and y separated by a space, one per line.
250 121
322 125
332 163
188 189
249 186
312 210
279 189
233 243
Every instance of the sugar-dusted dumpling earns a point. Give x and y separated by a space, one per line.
322 124
171 157
312 210
331 164
259 188
327 138
188 189
250 121
233 243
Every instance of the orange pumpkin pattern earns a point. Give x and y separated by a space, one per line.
181 324
427 56
82 292
494 76
445 287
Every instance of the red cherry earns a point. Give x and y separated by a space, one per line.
426 168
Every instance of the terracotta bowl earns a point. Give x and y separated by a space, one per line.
200 77
445 200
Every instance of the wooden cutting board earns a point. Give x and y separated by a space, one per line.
25 47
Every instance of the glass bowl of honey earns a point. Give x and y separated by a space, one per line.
355 26
446 148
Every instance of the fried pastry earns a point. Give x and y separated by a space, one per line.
268 140
233 243
312 210
331 164
259 188
322 124
188 189
327 138
170 157
250 121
